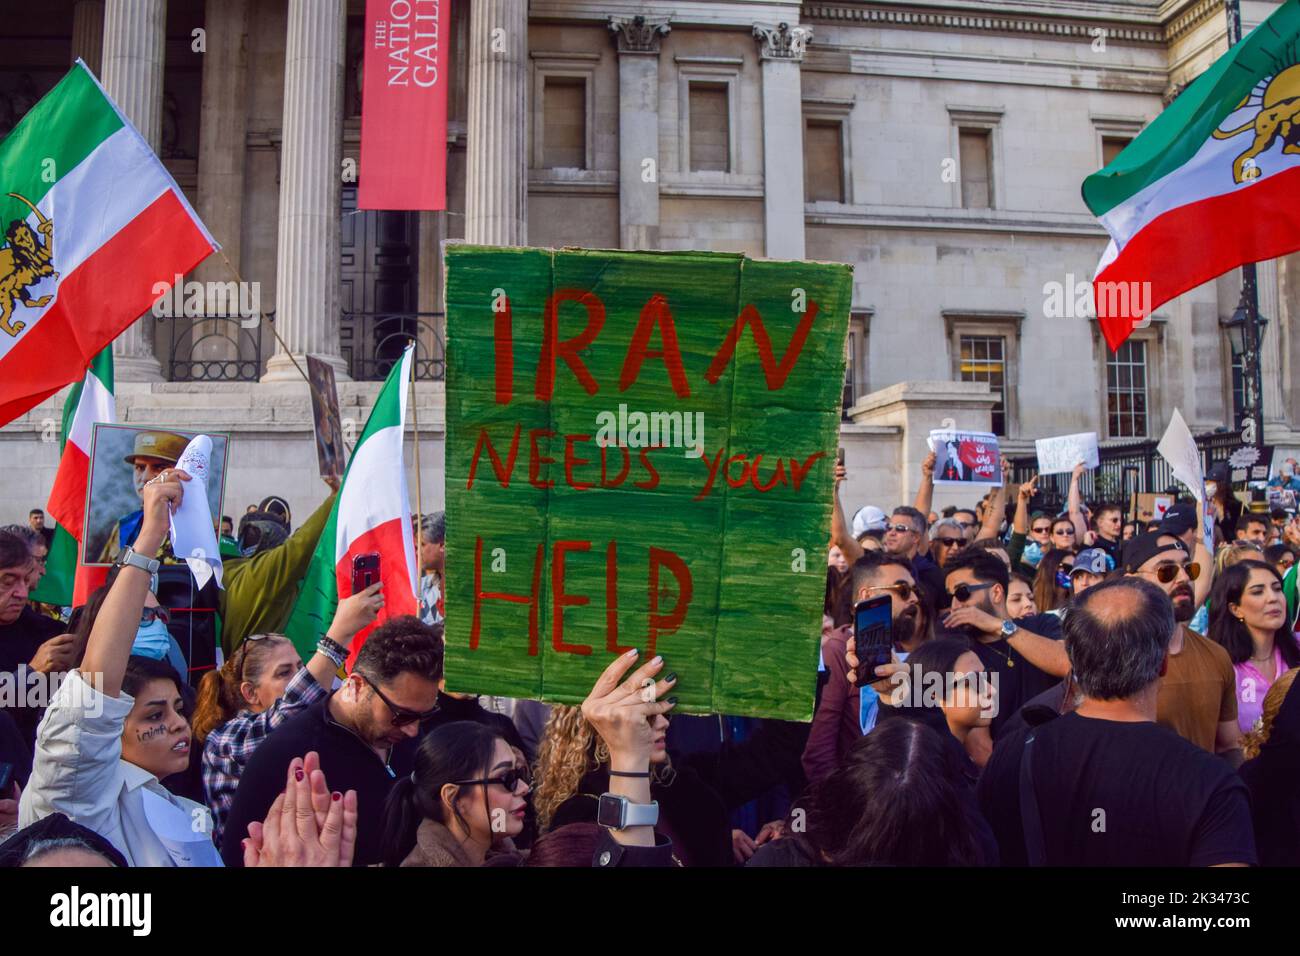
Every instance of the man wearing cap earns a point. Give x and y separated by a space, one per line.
153 453
1090 568
1197 698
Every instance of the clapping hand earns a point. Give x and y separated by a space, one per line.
295 833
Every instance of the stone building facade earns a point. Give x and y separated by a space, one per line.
936 146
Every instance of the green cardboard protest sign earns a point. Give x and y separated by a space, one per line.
640 452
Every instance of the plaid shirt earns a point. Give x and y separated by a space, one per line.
229 748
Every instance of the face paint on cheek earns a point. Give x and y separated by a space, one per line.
151 732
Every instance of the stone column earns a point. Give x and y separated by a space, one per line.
638 129
307 256
1270 307
496 187
88 34
134 37
782 53
223 129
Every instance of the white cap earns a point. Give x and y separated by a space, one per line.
869 518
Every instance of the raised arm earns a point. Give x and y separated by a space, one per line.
1076 513
996 508
109 644
1020 524
841 533
925 493
1201 555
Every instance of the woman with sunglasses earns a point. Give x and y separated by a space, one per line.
1052 582
259 687
464 801
106 743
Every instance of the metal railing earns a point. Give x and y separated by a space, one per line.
371 342
212 348
1124 470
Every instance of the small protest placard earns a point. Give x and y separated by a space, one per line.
1059 455
966 457
1178 447
330 453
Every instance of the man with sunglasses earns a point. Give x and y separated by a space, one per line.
1198 699
1025 654
847 709
946 538
903 539
392 687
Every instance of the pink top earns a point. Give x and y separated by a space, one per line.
1251 688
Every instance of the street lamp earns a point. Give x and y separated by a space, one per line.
1245 330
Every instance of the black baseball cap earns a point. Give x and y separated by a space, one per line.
1179 520
1140 549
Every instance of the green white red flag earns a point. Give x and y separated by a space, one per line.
1210 185
67 581
92 223
372 514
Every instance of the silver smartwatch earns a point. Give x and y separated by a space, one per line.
131 558
619 813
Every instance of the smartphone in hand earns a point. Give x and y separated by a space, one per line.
365 571
873 635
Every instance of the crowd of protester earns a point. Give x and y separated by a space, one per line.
1064 689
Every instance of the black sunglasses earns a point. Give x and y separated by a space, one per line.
950 542
902 529
510 780
401 716
962 592
901 588
1043 529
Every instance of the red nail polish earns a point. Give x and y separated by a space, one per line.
297 775
336 796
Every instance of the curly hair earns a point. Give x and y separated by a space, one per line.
566 754
571 749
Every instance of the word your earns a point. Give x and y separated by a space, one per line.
25 687
103 909
916 687
194 299
655 430
1079 300
395 34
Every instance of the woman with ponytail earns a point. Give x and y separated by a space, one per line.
464 800
260 686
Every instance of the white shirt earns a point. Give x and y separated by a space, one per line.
78 771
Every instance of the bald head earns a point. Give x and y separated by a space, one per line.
1116 636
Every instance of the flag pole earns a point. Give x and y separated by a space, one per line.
1251 381
419 496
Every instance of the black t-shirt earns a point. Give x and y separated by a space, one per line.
1274 781
347 762
1018 681
19 642
1112 548
1112 793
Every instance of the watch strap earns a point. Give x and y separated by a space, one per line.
640 814
131 558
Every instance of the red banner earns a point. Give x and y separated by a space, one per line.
404 105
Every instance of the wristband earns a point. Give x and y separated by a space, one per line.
628 773
332 649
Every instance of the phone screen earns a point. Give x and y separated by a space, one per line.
873 632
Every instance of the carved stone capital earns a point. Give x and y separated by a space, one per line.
638 34
783 42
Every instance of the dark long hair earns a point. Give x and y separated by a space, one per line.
1047 594
1232 634
900 799
457 751
141 670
